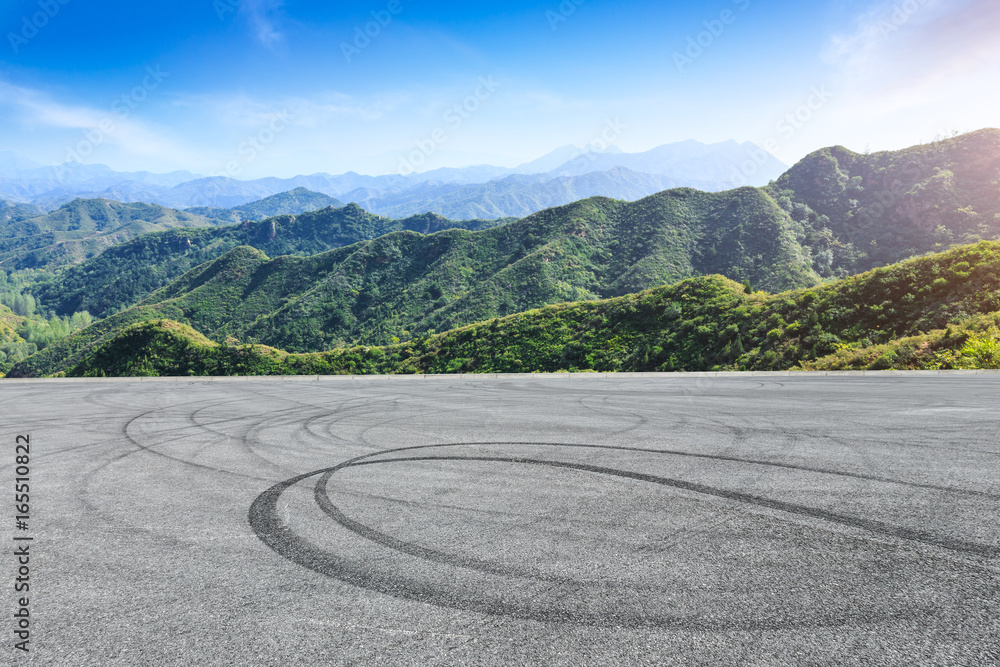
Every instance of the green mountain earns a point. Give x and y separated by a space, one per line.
13 212
293 202
855 212
82 229
125 274
406 283
832 214
706 323
846 213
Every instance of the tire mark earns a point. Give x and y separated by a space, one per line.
870 525
613 412
425 553
200 466
719 457
264 518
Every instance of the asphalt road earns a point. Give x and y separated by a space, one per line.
530 521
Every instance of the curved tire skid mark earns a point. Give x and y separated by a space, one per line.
727 459
425 553
149 450
326 410
91 476
244 428
339 415
792 508
266 523
869 525
613 412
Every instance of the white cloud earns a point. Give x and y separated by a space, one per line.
263 17
116 128
909 44
911 69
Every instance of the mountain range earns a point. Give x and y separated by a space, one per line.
79 230
407 283
363 278
935 312
127 273
30 238
561 177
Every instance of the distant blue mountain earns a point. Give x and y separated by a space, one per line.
484 191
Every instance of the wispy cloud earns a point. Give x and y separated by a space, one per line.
102 128
912 42
264 17
917 62
43 111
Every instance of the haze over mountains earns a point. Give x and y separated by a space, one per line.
342 276
360 278
560 177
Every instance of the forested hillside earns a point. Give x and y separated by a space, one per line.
948 305
82 229
12 211
858 211
125 274
341 277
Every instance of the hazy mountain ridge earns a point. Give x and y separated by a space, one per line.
516 195
293 202
25 181
80 229
692 164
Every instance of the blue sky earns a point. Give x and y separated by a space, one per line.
258 88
